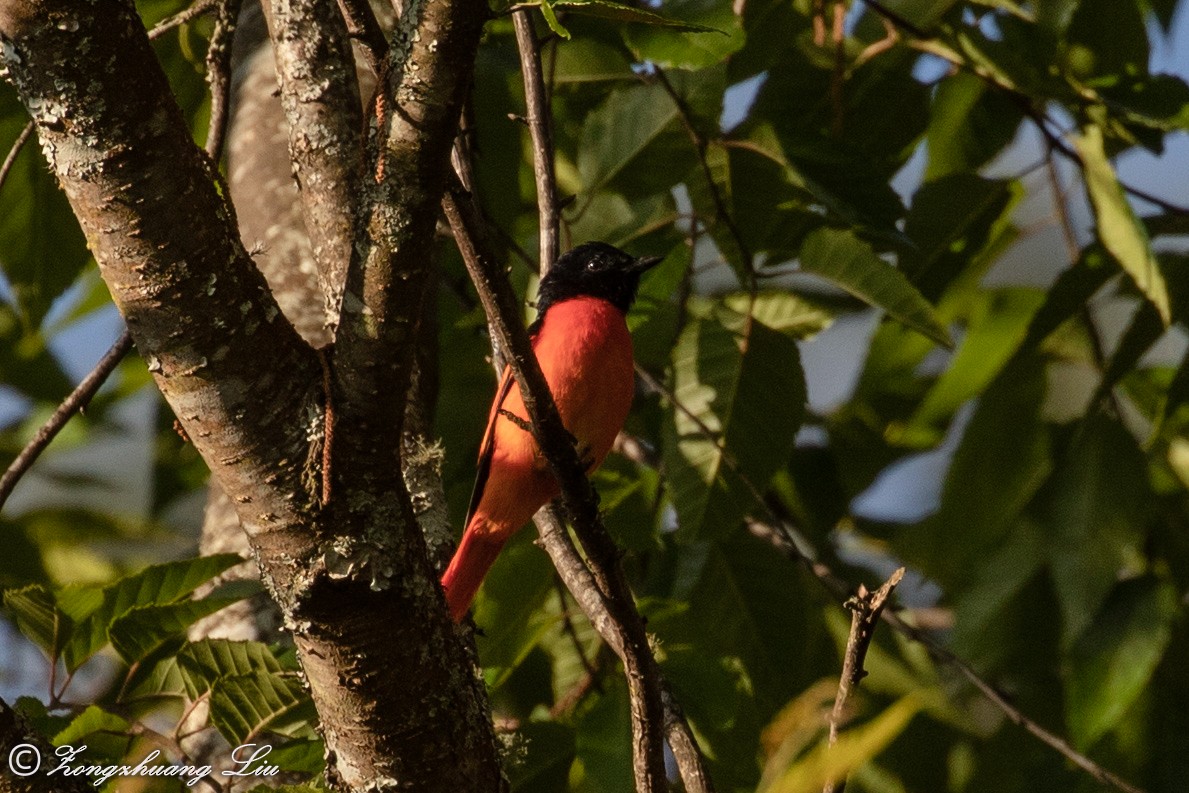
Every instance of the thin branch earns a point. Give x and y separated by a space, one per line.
17 145
363 27
865 610
605 588
218 75
320 95
700 144
540 130
78 399
182 17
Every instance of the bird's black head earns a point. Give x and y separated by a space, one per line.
594 269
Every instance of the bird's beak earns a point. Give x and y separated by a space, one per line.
645 263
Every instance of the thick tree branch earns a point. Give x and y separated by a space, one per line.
540 123
353 579
866 608
320 95
418 105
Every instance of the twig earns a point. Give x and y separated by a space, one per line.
363 26
606 590
218 75
540 130
720 207
182 17
865 610
17 145
78 399
567 625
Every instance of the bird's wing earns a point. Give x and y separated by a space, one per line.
487 446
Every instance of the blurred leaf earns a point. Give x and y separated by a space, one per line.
1000 463
719 33
203 662
997 326
970 124
618 131
1114 659
603 743
1068 295
1106 40
300 756
841 257
26 364
1096 506
509 607
586 60
741 383
618 12
952 220
545 768
242 706
1145 329
155 585
1118 227
39 619
43 247
143 630
855 746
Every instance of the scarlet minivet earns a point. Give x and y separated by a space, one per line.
582 342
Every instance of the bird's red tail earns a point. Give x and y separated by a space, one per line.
474 557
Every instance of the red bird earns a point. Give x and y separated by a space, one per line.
582 342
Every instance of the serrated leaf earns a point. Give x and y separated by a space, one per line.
155 585
203 662
300 756
244 705
143 630
1119 229
841 257
39 619
742 385
1113 660
93 719
162 679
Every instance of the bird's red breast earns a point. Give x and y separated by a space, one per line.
585 353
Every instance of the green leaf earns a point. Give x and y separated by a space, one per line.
631 121
718 34
587 60
39 619
1114 659
997 326
1106 41
549 755
603 742
953 220
970 124
1097 505
155 585
855 746
509 607
301 756
44 249
242 706
93 719
618 12
203 662
742 385
1001 461
841 257
1119 229
143 630
1068 294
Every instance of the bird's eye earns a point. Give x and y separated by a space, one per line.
592 265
